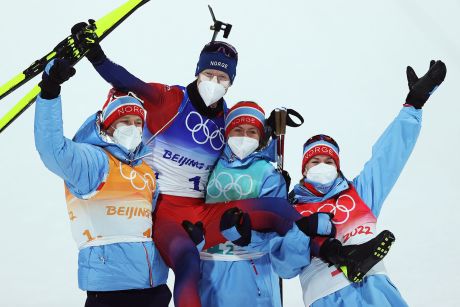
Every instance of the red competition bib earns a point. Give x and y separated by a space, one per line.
355 224
353 219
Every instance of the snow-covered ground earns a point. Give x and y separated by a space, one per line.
341 63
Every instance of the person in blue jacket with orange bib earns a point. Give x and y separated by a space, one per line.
356 204
110 194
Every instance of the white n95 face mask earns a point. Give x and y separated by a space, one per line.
211 91
128 136
242 146
322 173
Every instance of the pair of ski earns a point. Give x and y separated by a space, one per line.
66 49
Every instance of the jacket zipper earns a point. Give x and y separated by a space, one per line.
148 263
257 273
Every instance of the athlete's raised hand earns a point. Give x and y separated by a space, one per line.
420 89
86 39
56 72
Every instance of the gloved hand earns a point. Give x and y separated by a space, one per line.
420 89
86 39
235 226
317 224
287 178
57 71
291 198
195 232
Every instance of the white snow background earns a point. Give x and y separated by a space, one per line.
341 63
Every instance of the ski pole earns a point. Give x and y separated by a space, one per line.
280 131
283 119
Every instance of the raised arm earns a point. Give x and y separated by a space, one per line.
113 73
82 166
392 150
389 155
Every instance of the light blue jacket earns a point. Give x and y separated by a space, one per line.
389 156
82 163
254 282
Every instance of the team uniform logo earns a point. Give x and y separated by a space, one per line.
205 131
230 188
340 209
146 179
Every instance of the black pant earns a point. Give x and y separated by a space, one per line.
153 297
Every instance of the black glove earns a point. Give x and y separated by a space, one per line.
235 226
421 89
86 39
56 72
195 232
291 198
287 178
312 227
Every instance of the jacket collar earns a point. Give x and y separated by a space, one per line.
267 153
90 133
302 194
200 106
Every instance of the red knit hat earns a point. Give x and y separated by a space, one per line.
120 104
320 144
245 112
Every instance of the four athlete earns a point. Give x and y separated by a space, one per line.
207 159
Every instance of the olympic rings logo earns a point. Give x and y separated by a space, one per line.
337 208
224 183
215 138
147 180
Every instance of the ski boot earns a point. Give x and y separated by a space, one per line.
356 260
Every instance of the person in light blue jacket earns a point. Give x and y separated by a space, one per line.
110 195
356 204
232 275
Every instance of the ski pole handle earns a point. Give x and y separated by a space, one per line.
280 121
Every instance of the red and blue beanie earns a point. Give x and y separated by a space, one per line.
220 56
320 147
245 112
121 104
